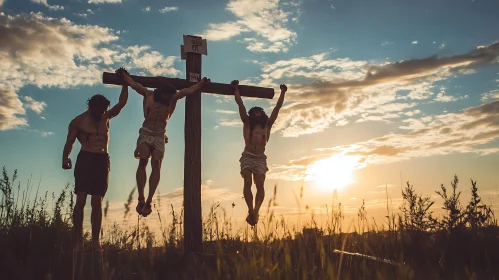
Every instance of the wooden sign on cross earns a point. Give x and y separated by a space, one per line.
192 132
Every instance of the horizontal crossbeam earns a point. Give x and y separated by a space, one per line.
216 88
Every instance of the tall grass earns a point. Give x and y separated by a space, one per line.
412 244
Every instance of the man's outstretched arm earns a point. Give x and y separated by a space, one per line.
113 112
72 133
185 92
192 89
239 101
140 89
278 106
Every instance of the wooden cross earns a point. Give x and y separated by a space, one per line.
192 49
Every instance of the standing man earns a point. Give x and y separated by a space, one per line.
92 165
158 106
256 132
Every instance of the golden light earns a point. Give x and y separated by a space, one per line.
332 173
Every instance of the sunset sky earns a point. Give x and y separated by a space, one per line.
380 92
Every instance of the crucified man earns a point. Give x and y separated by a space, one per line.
158 106
256 132
92 165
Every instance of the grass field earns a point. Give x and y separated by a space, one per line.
36 243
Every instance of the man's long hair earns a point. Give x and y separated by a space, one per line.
254 120
159 97
98 101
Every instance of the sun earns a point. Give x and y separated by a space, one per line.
332 173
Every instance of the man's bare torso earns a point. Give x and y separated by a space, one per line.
256 141
155 113
93 135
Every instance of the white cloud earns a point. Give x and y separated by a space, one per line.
414 42
332 5
420 91
48 59
62 54
315 67
227 112
267 19
258 46
147 9
81 15
490 96
295 6
153 61
51 7
223 31
33 105
386 43
461 132
339 91
11 110
168 9
225 98
42 133
442 46
90 11
230 123
104 1
413 113
441 97
1 2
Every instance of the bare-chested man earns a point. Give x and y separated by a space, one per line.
159 106
92 165
256 131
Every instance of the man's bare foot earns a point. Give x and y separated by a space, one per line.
147 209
251 218
140 207
248 219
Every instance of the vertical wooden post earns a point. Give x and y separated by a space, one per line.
192 163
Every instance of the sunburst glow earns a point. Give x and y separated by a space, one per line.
332 173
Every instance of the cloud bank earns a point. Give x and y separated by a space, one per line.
266 21
55 52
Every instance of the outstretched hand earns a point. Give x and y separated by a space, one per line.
125 76
121 71
284 88
206 80
66 164
234 84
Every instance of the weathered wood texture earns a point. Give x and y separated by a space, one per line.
216 88
193 241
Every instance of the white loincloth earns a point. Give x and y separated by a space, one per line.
257 164
155 139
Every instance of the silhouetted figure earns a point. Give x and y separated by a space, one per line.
158 106
92 165
256 131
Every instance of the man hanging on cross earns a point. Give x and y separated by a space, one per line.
158 106
92 165
256 132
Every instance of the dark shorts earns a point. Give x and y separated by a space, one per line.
92 173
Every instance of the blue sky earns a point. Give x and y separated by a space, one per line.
393 90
